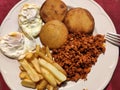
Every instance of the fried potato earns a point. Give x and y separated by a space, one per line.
59 68
58 75
35 73
58 82
28 83
49 77
45 57
48 52
43 50
42 85
36 65
21 68
53 63
30 70
79 20
28 55
24 75
37 48
49 87
41 76
53 10
55 88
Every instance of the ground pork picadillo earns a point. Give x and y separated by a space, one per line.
78 54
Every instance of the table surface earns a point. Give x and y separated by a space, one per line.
112 8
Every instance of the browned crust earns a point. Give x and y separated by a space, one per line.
79 20
53 34
53 9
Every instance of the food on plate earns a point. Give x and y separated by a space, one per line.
28 55
39 73
36 65
29 19
79 20
67 33
29 69
53 34
42 85
53 10
79 53
52 62
58 75
48 52
28 83
49 87
24 75
16 44
49 77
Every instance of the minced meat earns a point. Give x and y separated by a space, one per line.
78 54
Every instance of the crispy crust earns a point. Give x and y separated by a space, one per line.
79 20
53 9
53 34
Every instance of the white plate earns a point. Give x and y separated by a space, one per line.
100 74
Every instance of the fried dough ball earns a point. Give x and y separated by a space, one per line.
79 20
53 9
53 34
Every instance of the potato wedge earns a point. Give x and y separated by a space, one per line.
48 77
30 70
59 75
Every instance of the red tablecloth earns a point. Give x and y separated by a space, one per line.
112 7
